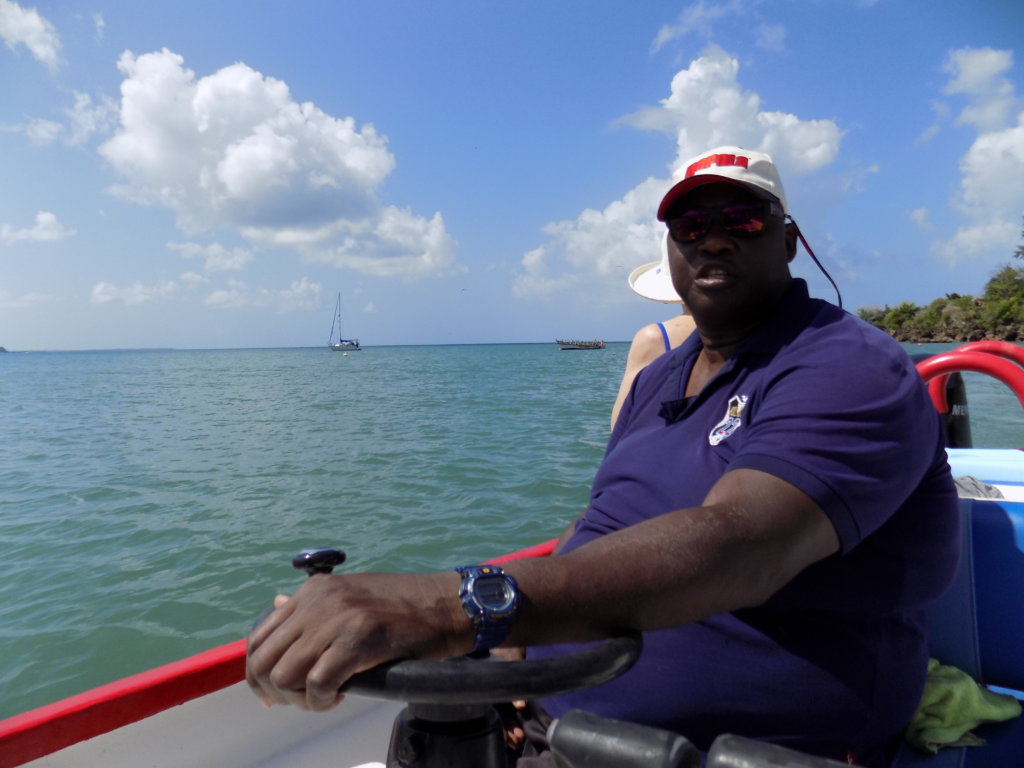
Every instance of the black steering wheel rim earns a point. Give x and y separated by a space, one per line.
491 681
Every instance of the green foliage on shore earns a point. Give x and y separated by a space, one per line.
997 314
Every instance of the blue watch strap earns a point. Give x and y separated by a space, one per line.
492 620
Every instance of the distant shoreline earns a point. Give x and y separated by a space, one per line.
110 349
965 338
310 346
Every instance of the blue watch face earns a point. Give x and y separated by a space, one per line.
493 593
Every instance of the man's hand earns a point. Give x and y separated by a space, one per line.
336 626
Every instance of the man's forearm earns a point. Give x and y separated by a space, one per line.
673 569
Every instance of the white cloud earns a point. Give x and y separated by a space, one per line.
215 256
978 75
920 217
233 149
698 19
730 115
855 179
193 279
9 300
990 197
702 18
942 113
47 229
395 244
236 296
41 131
535 280
100 25
602 244
981 239
136 293
301 294
771 37
86 118
601 247
20 26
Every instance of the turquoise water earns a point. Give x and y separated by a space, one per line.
150 501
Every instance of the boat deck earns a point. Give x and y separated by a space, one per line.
231 729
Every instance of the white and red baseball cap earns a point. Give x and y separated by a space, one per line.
751 170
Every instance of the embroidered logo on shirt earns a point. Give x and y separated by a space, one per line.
733 420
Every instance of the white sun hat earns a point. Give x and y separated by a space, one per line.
754 171
654 280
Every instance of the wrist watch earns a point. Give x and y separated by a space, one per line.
490 597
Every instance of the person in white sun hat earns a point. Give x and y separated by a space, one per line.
653 281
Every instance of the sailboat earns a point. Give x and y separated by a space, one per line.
341 345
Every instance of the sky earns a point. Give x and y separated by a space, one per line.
198 174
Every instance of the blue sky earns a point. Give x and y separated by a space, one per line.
212 174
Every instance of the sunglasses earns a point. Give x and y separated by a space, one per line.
740 219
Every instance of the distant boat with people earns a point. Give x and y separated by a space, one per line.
341 345
577 344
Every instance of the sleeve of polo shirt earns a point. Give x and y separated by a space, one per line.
853 429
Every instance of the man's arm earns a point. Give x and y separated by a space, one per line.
751 536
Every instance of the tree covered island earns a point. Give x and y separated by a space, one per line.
997 314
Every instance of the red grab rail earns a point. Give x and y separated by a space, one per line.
935 370
998 348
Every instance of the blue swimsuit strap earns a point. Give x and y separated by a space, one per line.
664 335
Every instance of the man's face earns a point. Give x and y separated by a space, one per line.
724 274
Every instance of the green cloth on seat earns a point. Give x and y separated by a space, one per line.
951 705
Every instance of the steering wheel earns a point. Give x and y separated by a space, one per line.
467 680
490 681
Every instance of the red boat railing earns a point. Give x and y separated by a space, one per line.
999 359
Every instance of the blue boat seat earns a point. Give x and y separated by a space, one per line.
978 626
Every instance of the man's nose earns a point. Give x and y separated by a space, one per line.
717 240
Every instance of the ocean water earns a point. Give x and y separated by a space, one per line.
150 501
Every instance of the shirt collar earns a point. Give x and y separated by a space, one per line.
782 326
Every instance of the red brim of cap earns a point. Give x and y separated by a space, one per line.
686 186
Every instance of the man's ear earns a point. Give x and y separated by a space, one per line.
791 238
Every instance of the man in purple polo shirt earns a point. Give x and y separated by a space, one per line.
774 510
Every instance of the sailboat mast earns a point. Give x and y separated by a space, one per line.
336 320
